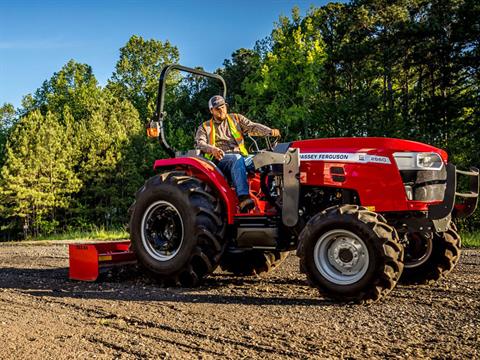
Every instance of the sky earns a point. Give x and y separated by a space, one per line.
38 37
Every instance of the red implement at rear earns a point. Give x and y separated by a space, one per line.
87 259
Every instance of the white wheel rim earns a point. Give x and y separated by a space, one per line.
341 257
162 230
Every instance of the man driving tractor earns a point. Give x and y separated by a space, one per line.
362 219
221 140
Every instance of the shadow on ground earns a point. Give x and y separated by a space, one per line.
130 284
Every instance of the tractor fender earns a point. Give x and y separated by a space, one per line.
206 171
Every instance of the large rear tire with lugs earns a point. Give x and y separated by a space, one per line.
350 254
177 229
437 257
252 262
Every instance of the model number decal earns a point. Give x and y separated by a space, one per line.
345 157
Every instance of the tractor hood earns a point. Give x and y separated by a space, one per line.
370 145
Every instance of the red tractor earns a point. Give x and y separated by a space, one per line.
362 213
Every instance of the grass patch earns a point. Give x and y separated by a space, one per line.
471 240
93 234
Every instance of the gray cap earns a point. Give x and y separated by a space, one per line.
216 101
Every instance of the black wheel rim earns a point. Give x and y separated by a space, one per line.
418 251
162 230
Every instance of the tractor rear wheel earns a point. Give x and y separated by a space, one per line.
252 262
437 257
177 229
350 254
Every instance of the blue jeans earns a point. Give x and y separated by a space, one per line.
235 168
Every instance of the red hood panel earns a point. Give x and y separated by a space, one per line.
370 145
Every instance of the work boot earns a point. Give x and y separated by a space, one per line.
246 204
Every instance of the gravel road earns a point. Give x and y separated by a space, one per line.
43 315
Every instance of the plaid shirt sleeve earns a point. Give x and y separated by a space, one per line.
201 141
249 126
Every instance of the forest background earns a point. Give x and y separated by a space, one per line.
74 153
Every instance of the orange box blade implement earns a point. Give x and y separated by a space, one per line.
87 259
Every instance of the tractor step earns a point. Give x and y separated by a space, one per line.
87 259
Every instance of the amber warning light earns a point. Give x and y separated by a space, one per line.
153 129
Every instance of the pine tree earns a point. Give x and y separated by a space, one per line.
110 167
37 178
7 120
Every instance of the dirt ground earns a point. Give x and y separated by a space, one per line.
43 315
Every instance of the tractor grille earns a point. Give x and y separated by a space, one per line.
425 185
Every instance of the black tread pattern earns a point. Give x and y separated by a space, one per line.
384 238
208 232
445 256
252 262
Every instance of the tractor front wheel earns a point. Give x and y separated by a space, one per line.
350 254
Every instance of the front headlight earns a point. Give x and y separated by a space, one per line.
429 161
418 161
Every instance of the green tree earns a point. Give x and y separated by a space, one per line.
137 72
284 89
100 166
402 68
243 63
38 179
74 86
7 119
109 166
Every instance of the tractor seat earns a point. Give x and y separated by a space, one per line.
198 154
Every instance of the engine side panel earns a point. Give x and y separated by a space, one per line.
365 165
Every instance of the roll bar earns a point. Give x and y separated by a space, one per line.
160 115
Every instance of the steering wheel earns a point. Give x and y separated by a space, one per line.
271 141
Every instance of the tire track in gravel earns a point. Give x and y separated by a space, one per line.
151 325
181 331
187 347
118 348
282 345
90 314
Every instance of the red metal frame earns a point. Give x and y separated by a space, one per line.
87 259
208 173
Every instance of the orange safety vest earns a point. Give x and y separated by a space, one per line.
234 129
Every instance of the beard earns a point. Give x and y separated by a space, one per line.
220 118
